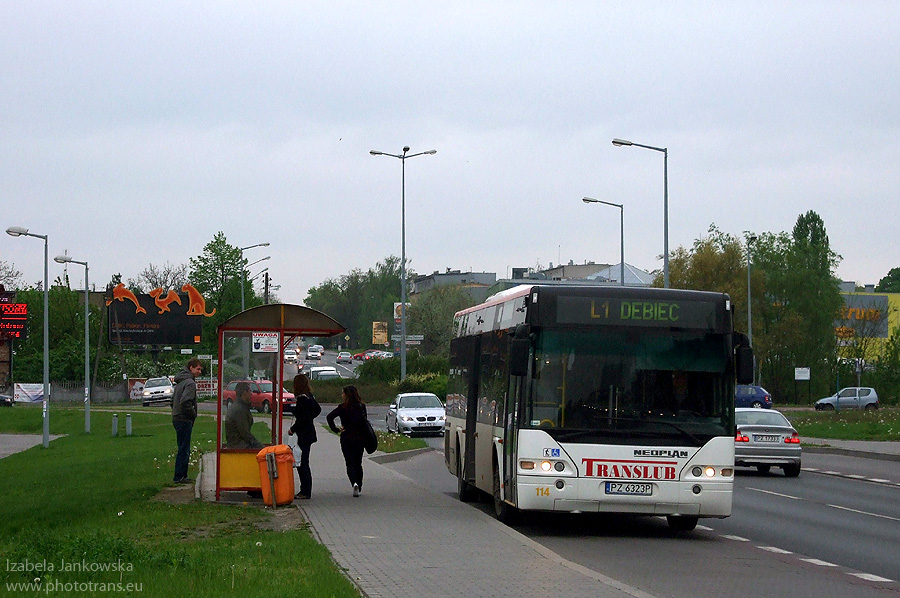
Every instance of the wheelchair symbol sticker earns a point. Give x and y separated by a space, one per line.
551 452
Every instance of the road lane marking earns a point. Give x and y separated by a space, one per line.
872 577
864 512
775 493
736 538
775 549
819 562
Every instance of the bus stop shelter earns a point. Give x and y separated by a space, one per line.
251 349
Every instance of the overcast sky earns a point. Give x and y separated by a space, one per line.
130 133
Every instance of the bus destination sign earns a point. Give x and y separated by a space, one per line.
646 313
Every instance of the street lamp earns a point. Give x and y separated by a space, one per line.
665 151
64 259
750 239
402 157
242 268
18 231
621 230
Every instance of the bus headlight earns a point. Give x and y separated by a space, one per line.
546 466
710 472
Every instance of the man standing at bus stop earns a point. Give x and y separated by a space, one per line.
184 412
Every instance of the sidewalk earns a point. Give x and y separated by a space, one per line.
869 449
401 540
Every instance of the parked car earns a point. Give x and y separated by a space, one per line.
6 401
344 357
765 438
157 391
416 413
747 395
323 372
261 397
852 397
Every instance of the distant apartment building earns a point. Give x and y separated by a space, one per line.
474 283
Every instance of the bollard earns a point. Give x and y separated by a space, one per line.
127 424
115 430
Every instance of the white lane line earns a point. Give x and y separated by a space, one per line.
736 538
856 476
881 481
872 577
775 493
831 472
864 512
818 562
704 528
775 549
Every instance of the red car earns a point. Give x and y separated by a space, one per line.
260 396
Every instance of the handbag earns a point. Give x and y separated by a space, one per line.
371 444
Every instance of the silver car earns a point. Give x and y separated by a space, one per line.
765 438
157 391
853 397
416 413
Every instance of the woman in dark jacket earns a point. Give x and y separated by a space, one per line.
305 412
353 431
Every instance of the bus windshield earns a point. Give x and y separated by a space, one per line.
614 385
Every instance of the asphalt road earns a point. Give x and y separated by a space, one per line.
822 534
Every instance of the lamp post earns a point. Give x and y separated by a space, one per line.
242 267
64 259
402 157
18 231
665 152
621 231
750 239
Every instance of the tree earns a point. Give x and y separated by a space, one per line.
217 273
168 276
801 302
9 276
890 283
431 315
359 298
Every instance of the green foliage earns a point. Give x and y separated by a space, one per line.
428 382
431 315
357 299
388 370
880 424
111 517
890 283
395 443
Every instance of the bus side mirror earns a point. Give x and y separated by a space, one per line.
518 356
744 365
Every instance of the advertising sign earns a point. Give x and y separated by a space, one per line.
156 318
12 320
379 333
265 342
28 393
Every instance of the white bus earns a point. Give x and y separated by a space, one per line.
596 399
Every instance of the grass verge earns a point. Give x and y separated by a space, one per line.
85 511
878 424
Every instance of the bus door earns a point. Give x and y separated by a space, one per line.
510 437
465 354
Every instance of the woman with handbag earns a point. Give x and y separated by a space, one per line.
354 433
305 412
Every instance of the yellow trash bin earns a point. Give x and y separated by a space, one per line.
284 466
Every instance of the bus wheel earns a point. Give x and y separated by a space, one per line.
681 523
463 488
505 512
